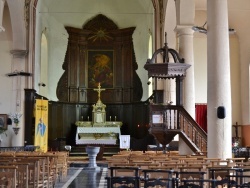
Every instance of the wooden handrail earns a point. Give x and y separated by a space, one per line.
178 120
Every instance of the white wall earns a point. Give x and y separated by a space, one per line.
5 81
124 14
200 68
5 64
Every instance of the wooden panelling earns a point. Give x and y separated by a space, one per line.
64 115
62 118
86 43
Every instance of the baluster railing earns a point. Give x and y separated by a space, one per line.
177 118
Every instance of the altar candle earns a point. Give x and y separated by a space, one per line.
82 117
88 118
115 118
110 118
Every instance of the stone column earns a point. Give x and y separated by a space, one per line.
18 96
1 15
185 37
218 88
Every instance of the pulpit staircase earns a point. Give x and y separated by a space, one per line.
176 120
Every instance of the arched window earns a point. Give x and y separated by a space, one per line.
44 67
150 53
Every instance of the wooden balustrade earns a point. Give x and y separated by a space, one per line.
176 120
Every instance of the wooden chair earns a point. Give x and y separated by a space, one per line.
61 164
36 168
235 162
123 182
8 176
193 177
221 174
130 179
114 161
158 177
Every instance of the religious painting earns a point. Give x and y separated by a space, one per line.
100 68
3 121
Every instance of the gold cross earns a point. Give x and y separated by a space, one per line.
99 90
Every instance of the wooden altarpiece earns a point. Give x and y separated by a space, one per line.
99 38
102 53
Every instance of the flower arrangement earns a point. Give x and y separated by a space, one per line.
15 117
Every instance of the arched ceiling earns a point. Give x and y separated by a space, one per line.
122 7
200 4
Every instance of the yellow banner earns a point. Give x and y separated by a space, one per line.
41 124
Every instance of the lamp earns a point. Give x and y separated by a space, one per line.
16 130
200 29
41 84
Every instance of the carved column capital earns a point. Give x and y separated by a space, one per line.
19 53
184 30
26 12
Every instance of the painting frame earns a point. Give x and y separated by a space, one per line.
3 121
100 68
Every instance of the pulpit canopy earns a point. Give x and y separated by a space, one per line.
166 69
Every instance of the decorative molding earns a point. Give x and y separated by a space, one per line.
19 73
26 12
100 27
166 70
19 53
100 21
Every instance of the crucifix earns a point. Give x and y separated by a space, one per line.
99 90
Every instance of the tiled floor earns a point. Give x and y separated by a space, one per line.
79 177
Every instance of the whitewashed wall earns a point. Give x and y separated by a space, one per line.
125 14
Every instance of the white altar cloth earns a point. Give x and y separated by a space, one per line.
112 131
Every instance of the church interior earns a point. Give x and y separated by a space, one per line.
119 93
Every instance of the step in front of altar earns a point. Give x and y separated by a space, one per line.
79 150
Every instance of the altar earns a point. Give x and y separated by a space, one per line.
108 134
98 131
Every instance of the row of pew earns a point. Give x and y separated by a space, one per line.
25 169
152 169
